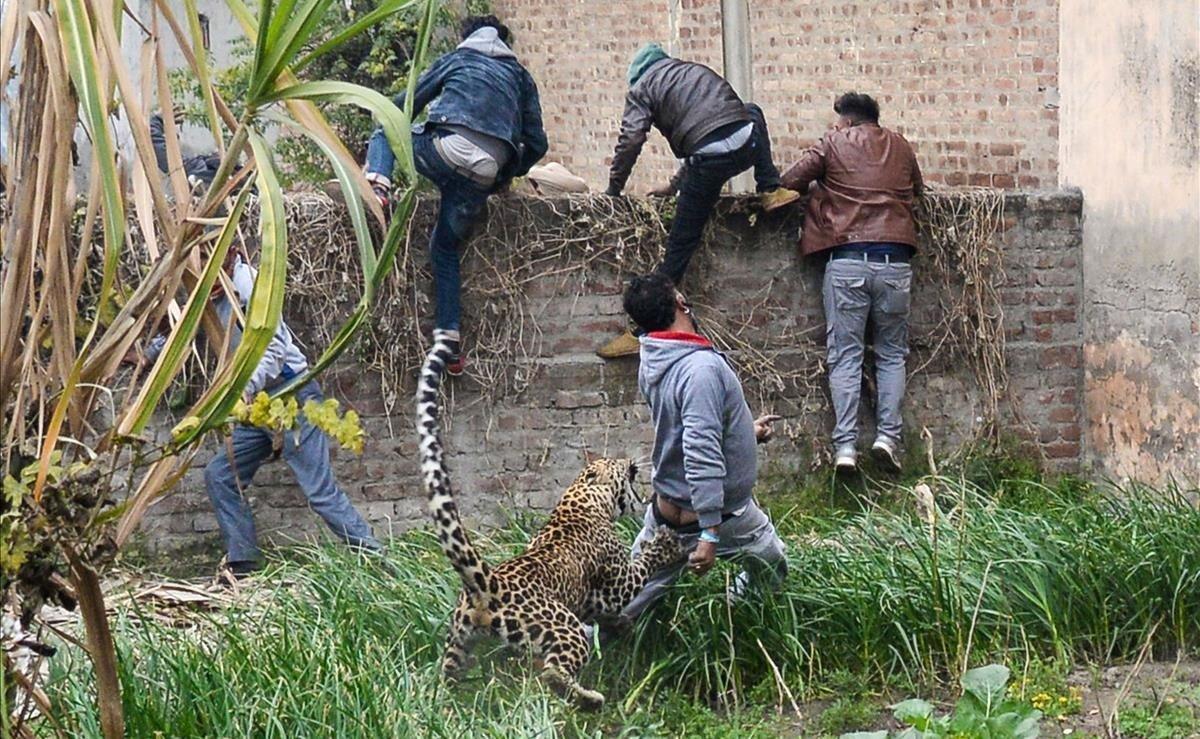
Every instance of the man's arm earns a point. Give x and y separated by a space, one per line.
703 419
635 124
429 85
158 140
918 181
533 134
810 168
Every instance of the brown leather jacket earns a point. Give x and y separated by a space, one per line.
685 100
866 179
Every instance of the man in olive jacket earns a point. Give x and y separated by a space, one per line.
713 133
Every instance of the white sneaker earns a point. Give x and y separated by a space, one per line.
884 450
845 459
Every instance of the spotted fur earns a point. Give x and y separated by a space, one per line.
575 571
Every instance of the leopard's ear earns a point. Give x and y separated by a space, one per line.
590 456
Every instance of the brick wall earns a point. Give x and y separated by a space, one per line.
973 84
519 453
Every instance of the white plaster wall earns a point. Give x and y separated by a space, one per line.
1129 139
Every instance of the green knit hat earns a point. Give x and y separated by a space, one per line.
643 60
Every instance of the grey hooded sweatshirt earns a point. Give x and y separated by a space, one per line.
704 445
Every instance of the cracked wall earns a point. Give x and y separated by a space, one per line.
1130 141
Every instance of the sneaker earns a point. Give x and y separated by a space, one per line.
231 574
457 365
624 345
846 459
884 450
777 198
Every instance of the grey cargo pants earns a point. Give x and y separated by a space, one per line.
748 537
853 291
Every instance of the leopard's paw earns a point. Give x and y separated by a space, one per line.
664 548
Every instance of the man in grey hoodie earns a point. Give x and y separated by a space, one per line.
705 461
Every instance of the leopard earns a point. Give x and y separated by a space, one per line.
574 571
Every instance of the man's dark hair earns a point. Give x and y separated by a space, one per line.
650 301
473 23
857 106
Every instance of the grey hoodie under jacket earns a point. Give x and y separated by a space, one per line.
704 446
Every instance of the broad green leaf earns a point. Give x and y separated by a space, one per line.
987 685
864 735
914 711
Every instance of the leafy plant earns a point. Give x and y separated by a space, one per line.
380 60
74 417
983 711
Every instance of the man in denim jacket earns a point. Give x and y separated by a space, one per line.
484 127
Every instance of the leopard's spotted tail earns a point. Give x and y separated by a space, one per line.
474 572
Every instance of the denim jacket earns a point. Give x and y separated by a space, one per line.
483 87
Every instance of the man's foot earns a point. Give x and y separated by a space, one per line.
624 345
457 365
846 459
777 198
885 451
230 574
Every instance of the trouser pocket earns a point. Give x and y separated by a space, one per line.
897 292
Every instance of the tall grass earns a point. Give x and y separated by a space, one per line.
339 647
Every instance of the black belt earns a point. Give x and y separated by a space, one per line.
865 257
687 528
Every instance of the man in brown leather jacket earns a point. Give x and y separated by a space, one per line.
714 135
860 216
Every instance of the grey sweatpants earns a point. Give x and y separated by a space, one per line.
748 537
854 290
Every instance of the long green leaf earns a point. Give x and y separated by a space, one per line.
286 42
180 339
80 46
386 9
263 311
206 86
350 193
394 122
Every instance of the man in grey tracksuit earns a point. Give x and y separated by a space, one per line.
705 461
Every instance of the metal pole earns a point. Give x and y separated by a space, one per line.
738 58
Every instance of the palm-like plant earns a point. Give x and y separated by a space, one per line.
73 422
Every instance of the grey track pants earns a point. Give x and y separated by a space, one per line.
748 537
853 291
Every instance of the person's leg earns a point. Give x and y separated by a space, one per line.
658 583
306 450
751 539
766 174
847 301
698 193
459 209
891 289
226 477
380 158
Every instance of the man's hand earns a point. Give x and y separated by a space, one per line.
762 427
703 559
663 191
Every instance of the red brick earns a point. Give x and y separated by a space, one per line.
1062 450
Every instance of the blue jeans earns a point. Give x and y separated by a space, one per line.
700 188
462 202
306 450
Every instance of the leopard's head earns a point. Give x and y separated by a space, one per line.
613 478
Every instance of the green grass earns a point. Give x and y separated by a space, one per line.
876 602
